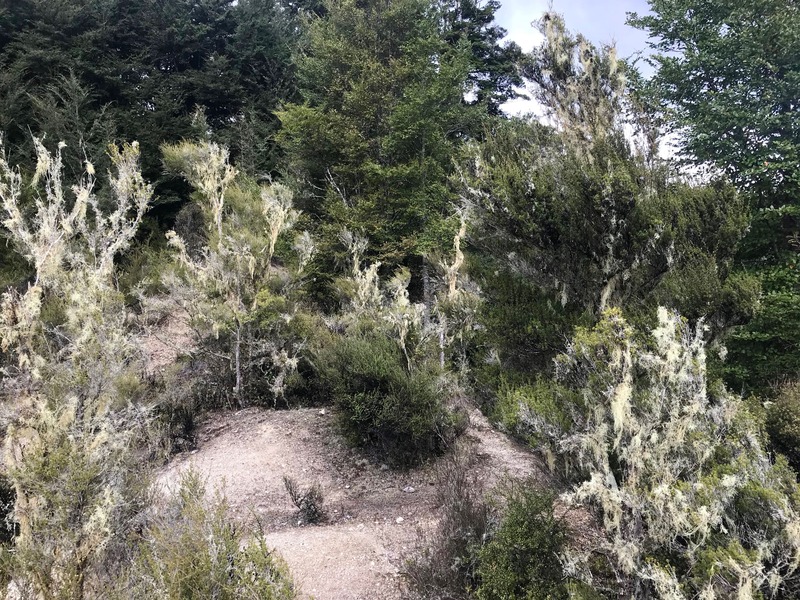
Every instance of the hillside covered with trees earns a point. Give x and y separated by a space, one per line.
322 205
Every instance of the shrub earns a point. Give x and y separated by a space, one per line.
447 562
783 424
522 560
509 548
78 485
177 408
308 501
674 468
536 413
384 407
222 283
192 550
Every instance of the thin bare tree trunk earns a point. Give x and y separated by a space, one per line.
238 364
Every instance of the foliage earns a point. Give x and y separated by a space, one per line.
528 411
494 68
70 455
522 560
308 501
783 424
765 352
687 496
223 285
581 87
445 562
507 548
192 550
90 71
576 214
574 208
456 307
383 406
382 114
727 67
558 239
727 80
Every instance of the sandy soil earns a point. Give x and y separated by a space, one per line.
374 513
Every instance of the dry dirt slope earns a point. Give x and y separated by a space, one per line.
374 513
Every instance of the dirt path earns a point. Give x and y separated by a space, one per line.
374 513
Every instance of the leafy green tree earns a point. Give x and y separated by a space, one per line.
575 218
494 71
729 78
382 116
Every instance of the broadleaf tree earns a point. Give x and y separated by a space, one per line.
728 79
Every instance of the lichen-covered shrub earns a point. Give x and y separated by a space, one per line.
221 283
676 472
70 456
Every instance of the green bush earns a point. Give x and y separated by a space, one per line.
192 551
522 560
528 411
382 406
783 424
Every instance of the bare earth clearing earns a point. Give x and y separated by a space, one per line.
374 513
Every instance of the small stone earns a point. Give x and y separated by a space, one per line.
399 520
384 467
322 412
409 489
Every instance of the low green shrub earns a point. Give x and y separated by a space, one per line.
191 550
536 413
522 560
382 406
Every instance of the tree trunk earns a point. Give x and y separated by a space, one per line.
237 350
427 294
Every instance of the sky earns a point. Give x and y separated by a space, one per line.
602 22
